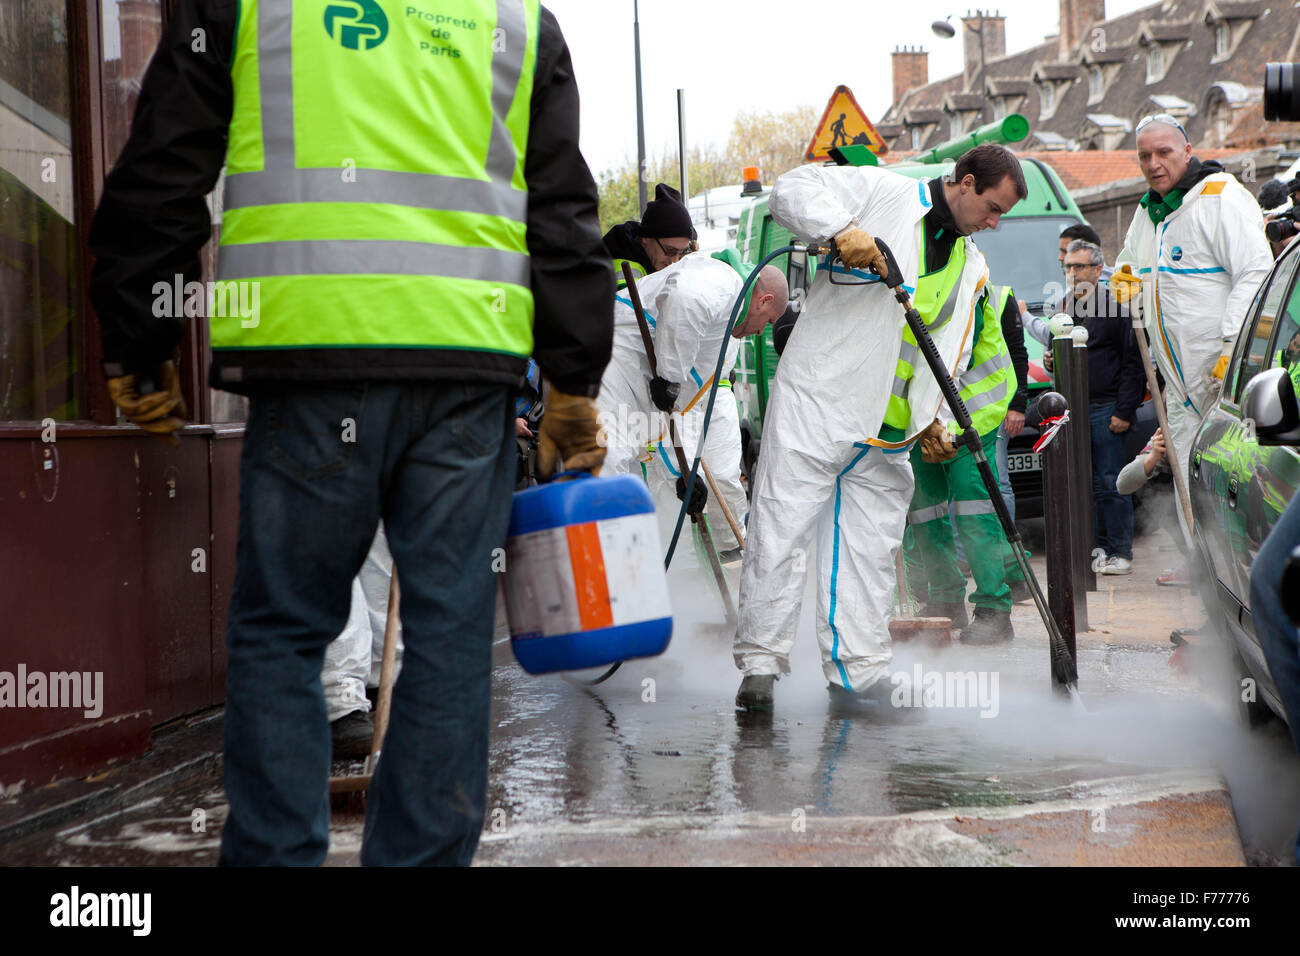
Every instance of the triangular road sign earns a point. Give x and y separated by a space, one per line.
843 123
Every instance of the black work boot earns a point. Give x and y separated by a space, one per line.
755 694
956 612
869 700
1020 591
988 627
352 734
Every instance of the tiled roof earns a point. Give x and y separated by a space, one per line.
1163 31
1080 169
1191 76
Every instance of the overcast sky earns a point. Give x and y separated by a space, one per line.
756 55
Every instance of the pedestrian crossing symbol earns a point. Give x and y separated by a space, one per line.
843 124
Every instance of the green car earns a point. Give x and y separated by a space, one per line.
1240 487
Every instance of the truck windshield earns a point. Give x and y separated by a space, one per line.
1022 253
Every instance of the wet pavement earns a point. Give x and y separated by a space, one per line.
1149 766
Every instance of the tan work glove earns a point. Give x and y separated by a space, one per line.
858 250
161 412
1124 285
1221 365
569 431
937 444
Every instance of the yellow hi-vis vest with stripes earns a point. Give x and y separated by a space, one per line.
935 299
638 272
375 175
989 382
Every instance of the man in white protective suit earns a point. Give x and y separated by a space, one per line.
851 394
1195 255
687 306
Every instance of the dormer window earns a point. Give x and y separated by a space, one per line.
1222 40
1096 85
954 126
916 138
1155 63
1046 100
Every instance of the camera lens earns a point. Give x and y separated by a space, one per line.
1280 230
1281 94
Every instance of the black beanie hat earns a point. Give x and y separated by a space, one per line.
666 216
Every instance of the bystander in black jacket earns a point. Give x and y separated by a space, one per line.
153 219
1114 363
1014 333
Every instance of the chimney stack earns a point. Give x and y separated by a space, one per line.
1076 17
994 26
139 24
911 70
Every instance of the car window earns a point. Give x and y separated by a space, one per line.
1254 357
1285 352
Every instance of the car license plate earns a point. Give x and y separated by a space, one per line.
1029 461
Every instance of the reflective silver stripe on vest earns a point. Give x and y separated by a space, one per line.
506 69
275 81
946 310
973 405
375 186
933 513
372 257
910 353
997 363
968 508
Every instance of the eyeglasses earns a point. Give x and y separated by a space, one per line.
672 252
1077 266
1164 119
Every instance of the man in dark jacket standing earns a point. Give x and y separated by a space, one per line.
1115 385
410 220
661 237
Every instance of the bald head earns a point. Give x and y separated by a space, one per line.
1164 155
769 299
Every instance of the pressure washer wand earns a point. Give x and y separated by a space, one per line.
1063 665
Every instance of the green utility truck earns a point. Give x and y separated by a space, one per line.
1021 252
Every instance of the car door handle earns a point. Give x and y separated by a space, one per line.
1232 491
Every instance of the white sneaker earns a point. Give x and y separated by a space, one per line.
1098 560
1117 565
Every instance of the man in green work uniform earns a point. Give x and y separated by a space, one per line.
955 487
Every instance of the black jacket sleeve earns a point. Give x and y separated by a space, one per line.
572 278
1014 333
1132 377
153 218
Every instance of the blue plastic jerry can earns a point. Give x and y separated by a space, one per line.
584 582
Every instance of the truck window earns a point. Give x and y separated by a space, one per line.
1022 253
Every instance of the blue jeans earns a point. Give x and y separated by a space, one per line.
321 465
1004 476
1278 636
1112 513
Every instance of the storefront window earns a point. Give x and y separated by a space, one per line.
40 359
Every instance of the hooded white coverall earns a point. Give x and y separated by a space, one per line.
1200 268
819 473
687 307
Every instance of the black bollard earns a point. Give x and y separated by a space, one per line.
1058 523
1070 363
